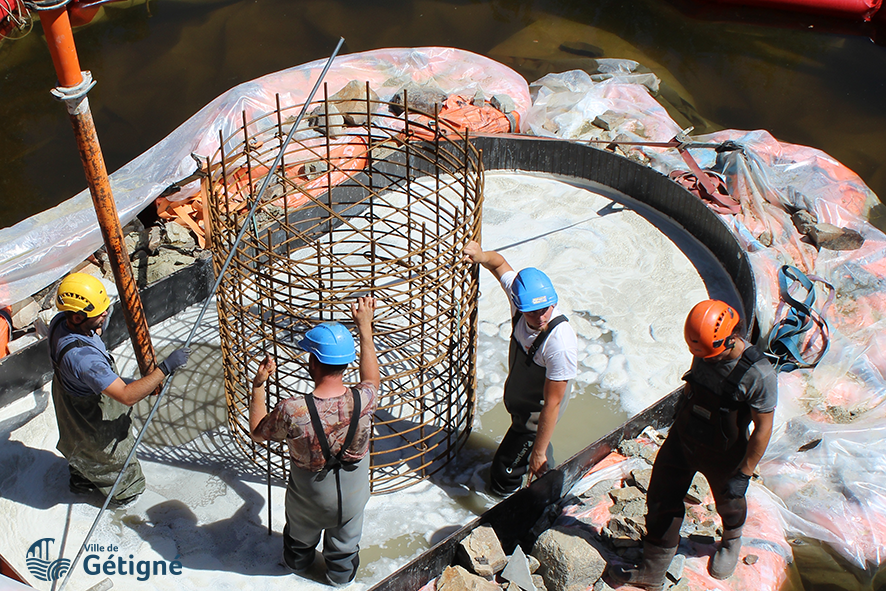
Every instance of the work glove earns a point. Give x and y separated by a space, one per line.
737 486
175 360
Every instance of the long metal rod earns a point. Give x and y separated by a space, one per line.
72 90
218 280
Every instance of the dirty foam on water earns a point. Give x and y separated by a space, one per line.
623 284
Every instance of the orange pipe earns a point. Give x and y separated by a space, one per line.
60 38
109 222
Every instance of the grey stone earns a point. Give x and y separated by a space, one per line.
326 120
804 221
22 342
765 238
626 494
155 238
751 559
517 570
675 569
654 435
158 270
698 490
596 493
134 226
634 508
135 241
482 552
315 169
350 101
503 103
479 100
649 453
456 578
24 313
421 98
619 527
629 448
567 558
641 478
833 238
607 121
178 235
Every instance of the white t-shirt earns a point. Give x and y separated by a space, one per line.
559 353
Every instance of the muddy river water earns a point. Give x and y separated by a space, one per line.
158 61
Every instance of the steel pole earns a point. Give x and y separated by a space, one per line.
72 89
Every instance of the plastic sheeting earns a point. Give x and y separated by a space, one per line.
834 491
42 248
763 534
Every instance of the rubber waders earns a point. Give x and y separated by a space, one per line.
651 573
725 560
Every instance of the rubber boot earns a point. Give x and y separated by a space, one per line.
725 560
651 573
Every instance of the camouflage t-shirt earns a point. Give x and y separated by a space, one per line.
291 420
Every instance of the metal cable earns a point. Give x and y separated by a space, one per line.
218 280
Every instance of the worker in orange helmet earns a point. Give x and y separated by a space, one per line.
92 402
729 385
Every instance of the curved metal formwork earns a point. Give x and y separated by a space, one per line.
365 202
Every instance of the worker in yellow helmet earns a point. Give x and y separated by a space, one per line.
729 385
92 402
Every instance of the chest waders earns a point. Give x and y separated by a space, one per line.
715 418
333 462
524 400
94 433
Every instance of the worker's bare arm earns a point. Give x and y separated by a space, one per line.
554 392
257 402
135 391
363 312
758 441
490 259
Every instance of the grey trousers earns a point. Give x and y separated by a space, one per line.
312 509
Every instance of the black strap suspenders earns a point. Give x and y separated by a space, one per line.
334 462
540 339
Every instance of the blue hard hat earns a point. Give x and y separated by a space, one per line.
331 343
532 290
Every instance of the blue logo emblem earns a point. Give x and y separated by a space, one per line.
42 566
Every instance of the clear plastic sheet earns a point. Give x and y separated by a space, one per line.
834 492
42 248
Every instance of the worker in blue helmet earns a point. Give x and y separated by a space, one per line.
327 432
541 361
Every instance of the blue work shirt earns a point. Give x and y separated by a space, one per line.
85 371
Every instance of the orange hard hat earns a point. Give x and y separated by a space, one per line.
708 325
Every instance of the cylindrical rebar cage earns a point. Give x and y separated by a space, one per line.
364 202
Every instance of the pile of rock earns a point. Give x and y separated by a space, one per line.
155 252
577 537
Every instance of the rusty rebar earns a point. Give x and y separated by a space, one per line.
383 208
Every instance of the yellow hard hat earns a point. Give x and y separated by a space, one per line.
80 292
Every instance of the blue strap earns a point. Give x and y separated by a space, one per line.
788 335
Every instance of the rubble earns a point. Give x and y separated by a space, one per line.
572 549
568 559
155 252
482 552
